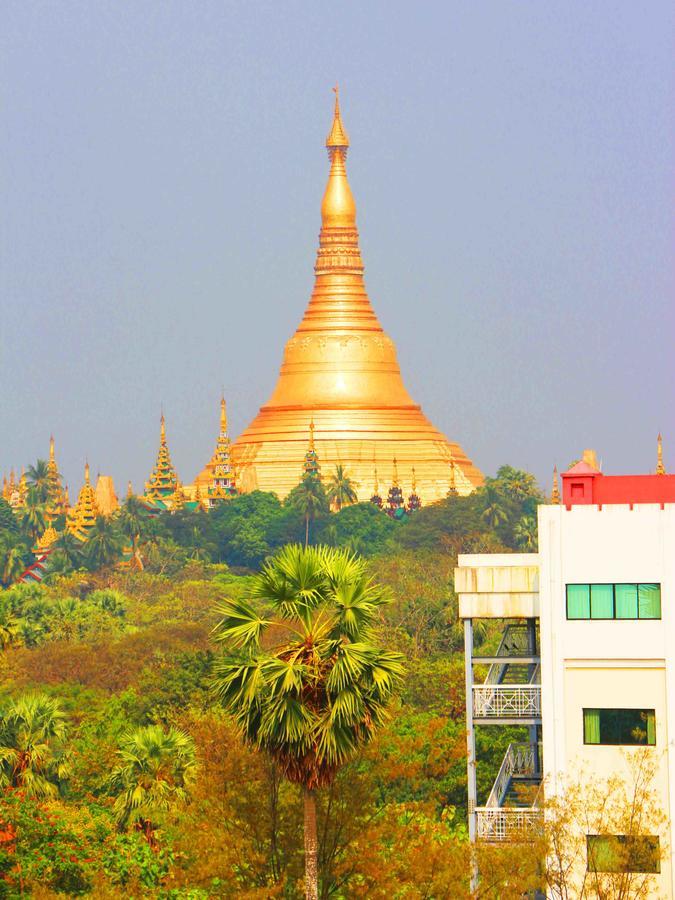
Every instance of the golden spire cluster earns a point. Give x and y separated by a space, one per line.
222 484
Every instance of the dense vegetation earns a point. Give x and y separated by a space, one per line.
122 773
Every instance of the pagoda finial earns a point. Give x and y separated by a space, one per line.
162 429
555 492
338 138
51 448
660 468
414 483
130 490
223 414
452 490
86 472
338 209
394 477
311 435
376 484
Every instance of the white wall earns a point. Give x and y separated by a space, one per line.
606 663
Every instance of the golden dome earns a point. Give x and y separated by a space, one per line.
340 371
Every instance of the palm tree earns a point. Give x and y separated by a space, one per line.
13 565
70 547
33 755
525 533
309 498
312 686
9 627
493 512
37 477
156 768
133 520
103 545
33 518
341 491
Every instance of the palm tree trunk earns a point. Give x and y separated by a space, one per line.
306 531
311 860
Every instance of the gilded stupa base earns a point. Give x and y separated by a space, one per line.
269 455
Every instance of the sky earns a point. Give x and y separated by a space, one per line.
161 173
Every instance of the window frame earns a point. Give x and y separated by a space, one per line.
613 618
618 709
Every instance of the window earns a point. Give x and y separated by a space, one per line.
613 601
619 726
623 853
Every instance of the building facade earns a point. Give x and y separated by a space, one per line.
586 664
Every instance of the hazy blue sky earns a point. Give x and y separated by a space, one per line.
162 166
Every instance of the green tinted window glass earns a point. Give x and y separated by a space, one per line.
602 601
649 601
626 726
578 601
626 601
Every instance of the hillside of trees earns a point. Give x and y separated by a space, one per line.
124 774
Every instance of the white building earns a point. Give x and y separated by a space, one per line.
587 660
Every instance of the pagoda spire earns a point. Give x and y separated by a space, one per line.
311 467
660 468
414 502
162 483
555 491
452 490
395 502
83 517
56 500
221 483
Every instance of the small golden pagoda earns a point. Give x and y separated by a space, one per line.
340 371
82 518
161 486
56 503
217 479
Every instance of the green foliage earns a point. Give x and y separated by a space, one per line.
361 528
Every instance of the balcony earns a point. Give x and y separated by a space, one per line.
507 704
508 824
512 810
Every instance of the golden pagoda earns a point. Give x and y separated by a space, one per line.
340 371
82 518
162 484
217 479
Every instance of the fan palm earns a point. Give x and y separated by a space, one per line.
525 533
493 512
13 565
103 545
33 757
34 518
9 627
70 547
37 477
341 491
155 770
309 498
318 689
